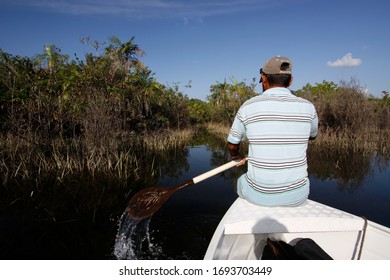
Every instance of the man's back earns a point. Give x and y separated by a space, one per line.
278 126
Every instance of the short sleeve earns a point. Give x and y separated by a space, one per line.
314 125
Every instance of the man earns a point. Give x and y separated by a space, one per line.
278 126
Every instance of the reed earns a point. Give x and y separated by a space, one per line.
166 140
126 159
218 130
371 140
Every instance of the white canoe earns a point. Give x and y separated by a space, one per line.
243 231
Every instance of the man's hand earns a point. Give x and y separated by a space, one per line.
242 162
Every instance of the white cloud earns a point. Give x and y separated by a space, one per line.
346 61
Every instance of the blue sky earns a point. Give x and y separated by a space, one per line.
206 42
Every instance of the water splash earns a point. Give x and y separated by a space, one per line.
133 240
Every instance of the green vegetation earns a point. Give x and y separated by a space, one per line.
226 99
101 114
349 119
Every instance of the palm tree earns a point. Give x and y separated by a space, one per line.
220 93
50 58
126 53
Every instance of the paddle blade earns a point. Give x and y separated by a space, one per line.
146 202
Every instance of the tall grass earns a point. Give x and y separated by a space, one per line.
167 140
124 159
218 130
369 141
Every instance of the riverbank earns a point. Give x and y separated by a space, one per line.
375 141
128 157
122 158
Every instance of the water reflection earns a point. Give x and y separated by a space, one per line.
356 183
348 169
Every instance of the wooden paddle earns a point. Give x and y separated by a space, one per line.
147 201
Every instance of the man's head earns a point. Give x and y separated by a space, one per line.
276 72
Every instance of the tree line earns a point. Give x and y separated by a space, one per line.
56 95
105 95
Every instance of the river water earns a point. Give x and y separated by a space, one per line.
75 220
182 228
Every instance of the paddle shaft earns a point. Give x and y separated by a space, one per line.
208 174
215 171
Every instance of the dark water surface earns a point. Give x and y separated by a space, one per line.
72 222
184 226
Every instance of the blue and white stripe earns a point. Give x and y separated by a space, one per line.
278 126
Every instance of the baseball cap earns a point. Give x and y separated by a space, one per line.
277 65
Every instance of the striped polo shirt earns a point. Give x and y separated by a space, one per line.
278 126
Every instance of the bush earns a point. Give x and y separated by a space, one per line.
340 107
